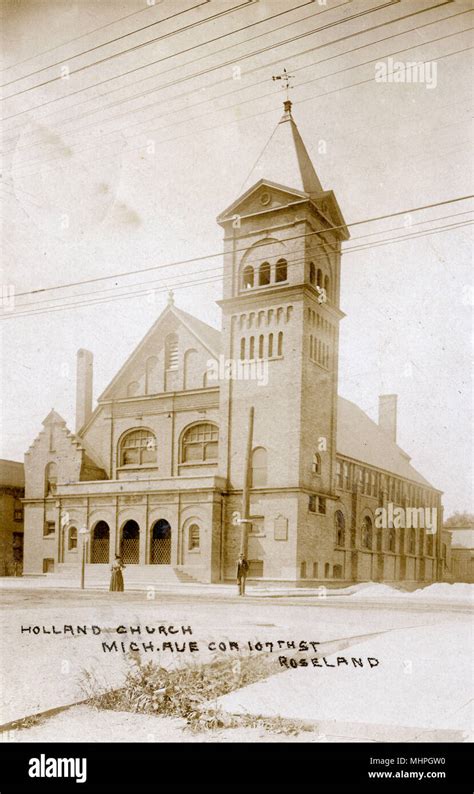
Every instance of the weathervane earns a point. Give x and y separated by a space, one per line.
285 77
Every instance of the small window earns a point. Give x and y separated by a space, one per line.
322 505
319 278
315 570
312 503
72 538
337 572
338 474
316 463
264 274
247 277
280 343
327 571
303 570
194 537
18 514
367 533
326 285
312 273
412 542
270 346
391 540
281 272
51 479
49 528
340 528
242 349
347 476
261 352
252 348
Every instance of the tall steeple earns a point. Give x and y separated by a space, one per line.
285 159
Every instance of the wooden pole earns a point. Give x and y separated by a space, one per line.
245 517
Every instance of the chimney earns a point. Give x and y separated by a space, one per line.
83 387
388 415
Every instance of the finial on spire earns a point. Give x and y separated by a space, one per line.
285 78
171 298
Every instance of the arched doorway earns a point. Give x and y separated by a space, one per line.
160 543
100 543
130 545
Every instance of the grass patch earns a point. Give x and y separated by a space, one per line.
190 692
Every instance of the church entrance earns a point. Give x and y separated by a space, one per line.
130 545
160 543
100 543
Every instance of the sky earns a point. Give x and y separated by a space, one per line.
101 180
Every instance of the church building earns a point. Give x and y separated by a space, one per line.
155 471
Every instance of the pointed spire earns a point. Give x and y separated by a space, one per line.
285 159
171 298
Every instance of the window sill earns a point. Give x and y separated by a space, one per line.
51 535
137 467
198 463
194 551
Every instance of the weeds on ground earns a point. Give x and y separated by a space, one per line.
189 692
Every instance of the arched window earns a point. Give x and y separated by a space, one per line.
281 272
242 349
259 467
252 348
327 571
391 540
200 443
367 533
280 344
171 352
312 273
429 549
270 346
194 537
319 278
326 285
247 277
50 479
316 463
264 274
412 542
340 528
260 346
138 448
72 538
100 543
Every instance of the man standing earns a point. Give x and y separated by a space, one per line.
242 571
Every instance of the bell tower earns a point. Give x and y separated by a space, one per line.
282 245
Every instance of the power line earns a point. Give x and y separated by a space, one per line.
99 46
192 25
237 250
190 283
234 91
77 38
292 262
214 68
175 138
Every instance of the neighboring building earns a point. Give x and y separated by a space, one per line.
460 564
12 491
156 471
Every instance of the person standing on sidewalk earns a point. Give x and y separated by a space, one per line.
242 571
116 580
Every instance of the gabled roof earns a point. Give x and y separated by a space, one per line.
208 336
285 160
53 418
360 438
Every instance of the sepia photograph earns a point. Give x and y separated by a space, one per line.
236 501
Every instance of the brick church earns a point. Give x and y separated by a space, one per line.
155 471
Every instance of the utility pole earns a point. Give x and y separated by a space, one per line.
245 518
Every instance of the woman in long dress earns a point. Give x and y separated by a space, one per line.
116 580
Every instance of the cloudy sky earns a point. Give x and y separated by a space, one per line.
120 159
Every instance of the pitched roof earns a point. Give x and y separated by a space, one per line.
210 336
360 438
285 160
